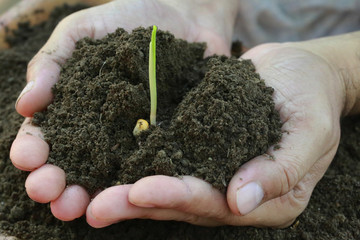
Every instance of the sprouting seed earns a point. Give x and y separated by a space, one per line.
141 125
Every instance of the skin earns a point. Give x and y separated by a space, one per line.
313 89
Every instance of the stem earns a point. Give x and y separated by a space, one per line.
152 77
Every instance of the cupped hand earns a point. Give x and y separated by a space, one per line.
29 152
269 190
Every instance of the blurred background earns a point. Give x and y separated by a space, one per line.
6 4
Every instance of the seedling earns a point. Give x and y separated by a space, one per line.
142 124
152 77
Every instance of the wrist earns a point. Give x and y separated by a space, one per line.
342 54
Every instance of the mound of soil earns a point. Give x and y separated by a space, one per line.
214 114
333 211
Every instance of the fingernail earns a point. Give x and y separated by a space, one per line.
30 85
249 197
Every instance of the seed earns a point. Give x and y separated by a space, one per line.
141 125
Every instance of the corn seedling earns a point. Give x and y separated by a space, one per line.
142 124
152 77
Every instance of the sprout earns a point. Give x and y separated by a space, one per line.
142 124
152 76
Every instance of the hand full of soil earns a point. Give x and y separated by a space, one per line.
214 114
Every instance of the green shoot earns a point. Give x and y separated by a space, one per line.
152 77
141 124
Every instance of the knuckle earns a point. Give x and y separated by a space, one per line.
299 199
217 215
301 193
327 125
295 206
191 218
68 20
221 217
149 215
289 172
327 128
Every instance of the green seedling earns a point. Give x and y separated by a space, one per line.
152 77
142 124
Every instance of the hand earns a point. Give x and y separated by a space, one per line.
270 190
29 152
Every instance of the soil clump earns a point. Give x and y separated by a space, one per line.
333 211
214 114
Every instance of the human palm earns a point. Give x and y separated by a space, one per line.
29 152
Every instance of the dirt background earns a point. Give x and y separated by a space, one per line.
333 211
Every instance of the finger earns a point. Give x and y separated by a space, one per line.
112 205
275 174
45 184
186 194
29 151
282 211
71 204
43 70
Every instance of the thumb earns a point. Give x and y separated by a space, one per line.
275 174
43 70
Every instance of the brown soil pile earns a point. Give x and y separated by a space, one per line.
333 212
208 126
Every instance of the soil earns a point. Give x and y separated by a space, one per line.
213 114
333 211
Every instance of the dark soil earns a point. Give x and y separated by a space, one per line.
208 126
333 212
